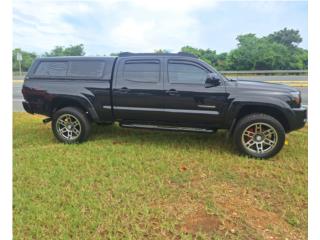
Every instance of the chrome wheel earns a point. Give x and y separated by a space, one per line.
259 138
68 126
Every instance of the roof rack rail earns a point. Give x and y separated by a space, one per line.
126 54
187 54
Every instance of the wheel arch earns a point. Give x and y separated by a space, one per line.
61 102
270 110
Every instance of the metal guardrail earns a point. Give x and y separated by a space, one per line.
280 76
267 72
253 72
18 74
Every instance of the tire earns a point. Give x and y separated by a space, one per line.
259 135
70 119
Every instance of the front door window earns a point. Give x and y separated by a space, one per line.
186 73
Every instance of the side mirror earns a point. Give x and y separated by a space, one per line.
212 80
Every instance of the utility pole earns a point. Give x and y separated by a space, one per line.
19 59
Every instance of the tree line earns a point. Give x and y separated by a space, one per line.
277 51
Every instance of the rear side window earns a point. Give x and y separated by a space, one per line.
184 72
52 69
93 69
142 71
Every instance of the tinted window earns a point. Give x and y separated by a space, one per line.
52 68
92 69
142 71
186 73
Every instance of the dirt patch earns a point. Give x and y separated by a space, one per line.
201 222
239 214
241 207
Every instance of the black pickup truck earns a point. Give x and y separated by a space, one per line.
160 91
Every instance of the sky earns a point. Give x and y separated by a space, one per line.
110 26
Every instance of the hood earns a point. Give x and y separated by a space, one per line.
263 86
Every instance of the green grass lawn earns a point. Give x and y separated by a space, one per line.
139 184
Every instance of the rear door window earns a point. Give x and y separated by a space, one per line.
145 71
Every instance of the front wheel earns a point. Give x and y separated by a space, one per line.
70 125
259 135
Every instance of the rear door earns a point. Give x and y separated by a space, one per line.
187 101
138 89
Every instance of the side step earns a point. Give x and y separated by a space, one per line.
170 128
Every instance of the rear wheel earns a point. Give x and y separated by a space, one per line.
70 125
259 135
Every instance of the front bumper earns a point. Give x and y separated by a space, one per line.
300 118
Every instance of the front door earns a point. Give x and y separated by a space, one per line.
187 101
138 89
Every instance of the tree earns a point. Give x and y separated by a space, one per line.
287 37
222 63
208 55
278 50
268 53
72 50
114 54
27 59
161 51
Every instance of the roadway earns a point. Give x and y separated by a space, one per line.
18 98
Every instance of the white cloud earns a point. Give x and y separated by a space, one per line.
148 25
177 6
131 32
136 25
106 26
40 25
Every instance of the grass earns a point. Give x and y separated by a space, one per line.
139 184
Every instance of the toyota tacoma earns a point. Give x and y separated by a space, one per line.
160 91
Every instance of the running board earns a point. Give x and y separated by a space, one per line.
171 128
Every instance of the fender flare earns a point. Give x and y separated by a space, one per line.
81 101
238 104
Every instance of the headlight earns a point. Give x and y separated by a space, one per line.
296 96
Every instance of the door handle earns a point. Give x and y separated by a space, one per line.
172 92
124 90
